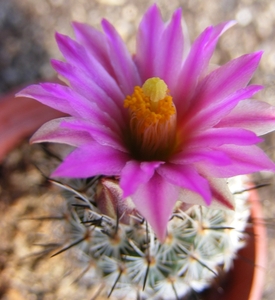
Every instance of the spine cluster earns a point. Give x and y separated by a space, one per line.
120 253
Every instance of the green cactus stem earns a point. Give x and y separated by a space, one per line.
120 253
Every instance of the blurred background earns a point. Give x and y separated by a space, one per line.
26 45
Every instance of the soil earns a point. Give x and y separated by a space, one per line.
32 230
27 43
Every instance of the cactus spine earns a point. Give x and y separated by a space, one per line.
120 253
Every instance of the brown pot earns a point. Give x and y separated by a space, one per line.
21 117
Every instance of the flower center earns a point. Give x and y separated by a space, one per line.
152 120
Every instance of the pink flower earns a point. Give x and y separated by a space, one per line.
175 136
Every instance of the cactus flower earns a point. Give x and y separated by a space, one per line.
162 121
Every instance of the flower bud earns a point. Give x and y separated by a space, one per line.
110 202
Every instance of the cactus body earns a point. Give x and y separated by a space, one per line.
120 253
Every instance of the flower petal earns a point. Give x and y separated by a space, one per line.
38 93
196 63
167 64
244 160
148 42
225 80
222 198
76 55
65 99
186 176
102 134
207 155
214 137
221 193
92 160
135 173
123 65
210 115
52 132
155 201
253 115
80 81
95 42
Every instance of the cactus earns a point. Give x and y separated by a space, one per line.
118 250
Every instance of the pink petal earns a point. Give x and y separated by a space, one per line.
76 55
52 132
65 99
81 82
148 42
210 115
244 160
214 137
155 201
102 134
136 173
168 58
196 64
221 193
221 196
37 92
253 115
95 42
186 176
92 160
225 80
210 156
123 65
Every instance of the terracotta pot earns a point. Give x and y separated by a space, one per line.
20 118
246 280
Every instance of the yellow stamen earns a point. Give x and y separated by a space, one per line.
153 119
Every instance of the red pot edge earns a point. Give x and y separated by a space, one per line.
260 237
19 118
